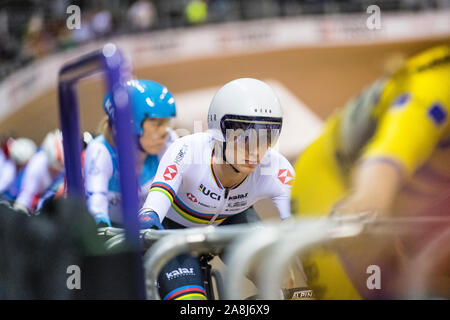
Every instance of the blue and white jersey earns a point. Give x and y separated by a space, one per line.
7 172
37 178
101 173
13 189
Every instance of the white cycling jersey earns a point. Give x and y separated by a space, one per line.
36 180
187 191
102 183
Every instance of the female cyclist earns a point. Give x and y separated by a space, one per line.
152 107
214 178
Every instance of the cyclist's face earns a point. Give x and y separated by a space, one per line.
154 135
248 149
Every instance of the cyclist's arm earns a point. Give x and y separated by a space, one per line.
57 185
98 171
35 180
168 178
404 141
7 176
370 192
282 202
281 181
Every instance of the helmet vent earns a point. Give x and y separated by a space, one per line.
150 102
261 110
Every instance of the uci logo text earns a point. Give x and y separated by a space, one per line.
208 192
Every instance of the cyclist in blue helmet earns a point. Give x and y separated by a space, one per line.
152 108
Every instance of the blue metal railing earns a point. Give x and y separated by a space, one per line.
111 62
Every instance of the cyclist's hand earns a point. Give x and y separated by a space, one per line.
18 207
150 220
355 207
102 222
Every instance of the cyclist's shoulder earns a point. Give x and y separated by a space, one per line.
98 150
99 145
195 141
430 59
276 157
8 166
427 73
274 165
37 166
38 159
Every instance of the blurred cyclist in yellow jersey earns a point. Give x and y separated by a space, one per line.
387 151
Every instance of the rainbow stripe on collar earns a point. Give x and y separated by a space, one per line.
217 179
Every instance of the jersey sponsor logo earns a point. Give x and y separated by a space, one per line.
237 204
109 109
208 192
298 293
181 154
170 172
93 168
437 113
191 197
238 196
285 176
205 205
302 294
401 100
180 272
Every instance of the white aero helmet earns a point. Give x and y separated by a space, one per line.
53 148
21 150
245 103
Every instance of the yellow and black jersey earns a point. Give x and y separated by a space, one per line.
402 119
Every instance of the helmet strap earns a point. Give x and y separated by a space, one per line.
224 145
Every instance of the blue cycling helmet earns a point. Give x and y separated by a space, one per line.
149 100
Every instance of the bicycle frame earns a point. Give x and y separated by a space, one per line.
195 240
115 239
111 62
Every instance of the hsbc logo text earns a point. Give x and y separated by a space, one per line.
170 172
191 197
285 176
